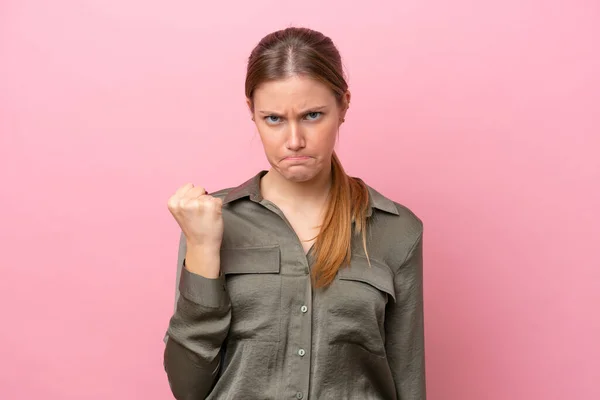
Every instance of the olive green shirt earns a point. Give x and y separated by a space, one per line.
261 331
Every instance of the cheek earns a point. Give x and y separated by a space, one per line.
270 142
326 136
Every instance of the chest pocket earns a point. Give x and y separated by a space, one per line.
254 287
357 303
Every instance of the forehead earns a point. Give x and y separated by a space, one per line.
293 92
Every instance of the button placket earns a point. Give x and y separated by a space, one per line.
303 343
302 351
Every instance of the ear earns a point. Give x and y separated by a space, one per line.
250 107
345 105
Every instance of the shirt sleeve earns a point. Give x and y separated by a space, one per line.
196 332
404 327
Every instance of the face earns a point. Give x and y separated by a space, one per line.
298 120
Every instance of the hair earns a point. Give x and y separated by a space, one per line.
302 51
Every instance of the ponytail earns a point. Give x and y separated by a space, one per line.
345 217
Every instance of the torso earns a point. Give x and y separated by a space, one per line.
275 310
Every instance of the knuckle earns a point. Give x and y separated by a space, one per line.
172 203
184 204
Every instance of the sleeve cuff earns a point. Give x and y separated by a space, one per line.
203 291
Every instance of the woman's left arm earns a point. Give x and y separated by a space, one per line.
404 327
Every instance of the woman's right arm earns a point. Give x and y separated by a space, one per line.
198 326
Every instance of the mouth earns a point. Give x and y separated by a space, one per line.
296 158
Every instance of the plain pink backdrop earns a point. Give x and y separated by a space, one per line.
483 117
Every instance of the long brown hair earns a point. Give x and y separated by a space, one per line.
295 51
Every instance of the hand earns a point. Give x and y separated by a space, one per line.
200 218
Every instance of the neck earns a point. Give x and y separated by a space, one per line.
279 190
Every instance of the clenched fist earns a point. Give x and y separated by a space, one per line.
200 218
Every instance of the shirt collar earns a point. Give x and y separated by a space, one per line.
251 189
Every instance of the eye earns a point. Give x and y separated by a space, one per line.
272 119
313 115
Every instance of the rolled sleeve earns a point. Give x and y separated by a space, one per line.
206 292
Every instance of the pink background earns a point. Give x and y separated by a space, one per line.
483 117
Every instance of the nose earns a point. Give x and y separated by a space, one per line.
295 139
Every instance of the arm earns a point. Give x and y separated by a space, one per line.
404 327
196 332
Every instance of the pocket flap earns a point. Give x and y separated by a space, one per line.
377 275
250 260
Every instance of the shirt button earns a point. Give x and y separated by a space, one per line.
304 309
299 395
301 352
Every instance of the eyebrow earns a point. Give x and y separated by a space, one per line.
308 110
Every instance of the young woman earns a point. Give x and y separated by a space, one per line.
303 282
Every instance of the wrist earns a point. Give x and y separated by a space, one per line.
208 249
203 260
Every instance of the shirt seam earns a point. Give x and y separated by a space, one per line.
409 253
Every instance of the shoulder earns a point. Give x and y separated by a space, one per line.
409 220
248 189
396 213
394 227
222 193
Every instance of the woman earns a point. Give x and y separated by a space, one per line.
303 282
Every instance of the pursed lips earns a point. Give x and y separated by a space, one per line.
296 158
